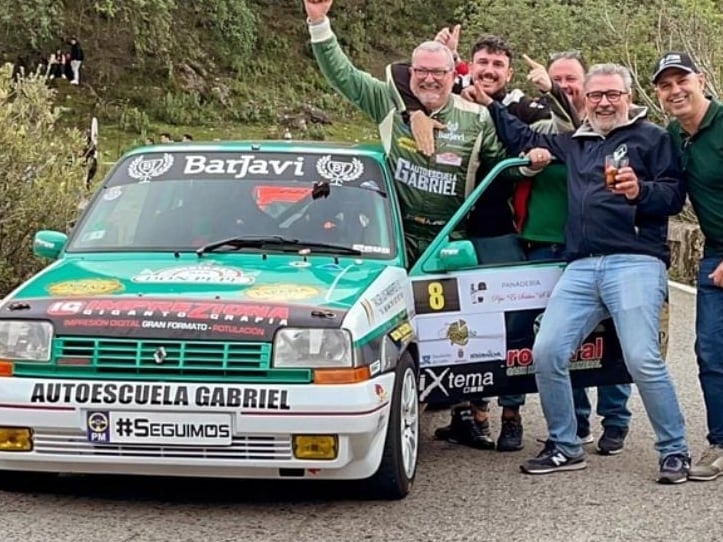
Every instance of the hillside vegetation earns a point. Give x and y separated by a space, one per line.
243 68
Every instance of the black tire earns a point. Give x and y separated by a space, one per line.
392 481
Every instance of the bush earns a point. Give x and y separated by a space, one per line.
41 174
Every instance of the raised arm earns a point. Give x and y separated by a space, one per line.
370 95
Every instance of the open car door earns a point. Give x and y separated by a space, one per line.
476 325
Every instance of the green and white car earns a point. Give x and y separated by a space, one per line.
244 310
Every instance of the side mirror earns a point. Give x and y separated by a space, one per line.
457 255
49 244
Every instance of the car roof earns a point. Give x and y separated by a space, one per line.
374 150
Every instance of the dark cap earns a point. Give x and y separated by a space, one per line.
677 60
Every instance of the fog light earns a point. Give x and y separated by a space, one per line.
16 439
315 446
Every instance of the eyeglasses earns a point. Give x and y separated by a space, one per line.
438 73
613 96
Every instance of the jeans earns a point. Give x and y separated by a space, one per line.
631 289
709 347
611 400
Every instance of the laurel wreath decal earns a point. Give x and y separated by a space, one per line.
339 172
144 170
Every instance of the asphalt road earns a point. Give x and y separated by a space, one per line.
460 494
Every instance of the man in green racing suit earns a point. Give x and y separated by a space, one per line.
430 188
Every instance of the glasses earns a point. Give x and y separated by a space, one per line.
437 73
613 96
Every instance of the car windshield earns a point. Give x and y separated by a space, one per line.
184 201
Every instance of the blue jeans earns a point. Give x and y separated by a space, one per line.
709 347
612 400
631 289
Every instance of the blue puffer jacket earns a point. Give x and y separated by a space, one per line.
600 222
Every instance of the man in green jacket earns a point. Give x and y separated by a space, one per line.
430 188
697 130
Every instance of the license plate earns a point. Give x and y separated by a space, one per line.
165 428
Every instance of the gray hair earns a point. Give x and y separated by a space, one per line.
435 47
611 69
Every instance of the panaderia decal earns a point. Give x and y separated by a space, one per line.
85 287
242 165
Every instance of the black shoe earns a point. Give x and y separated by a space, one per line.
612 440
674 469
510 439
550 460
464 429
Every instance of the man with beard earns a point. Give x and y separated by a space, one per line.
491 226
616 245
430 191
697 130
542 232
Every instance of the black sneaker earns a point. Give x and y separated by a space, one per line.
510 439
674 469
612 440
550 460
465 429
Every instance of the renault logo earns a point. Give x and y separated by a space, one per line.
160 355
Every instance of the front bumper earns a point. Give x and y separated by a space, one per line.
261 439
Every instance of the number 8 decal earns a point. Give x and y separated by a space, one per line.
436 296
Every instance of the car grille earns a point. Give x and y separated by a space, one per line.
95 357
250 447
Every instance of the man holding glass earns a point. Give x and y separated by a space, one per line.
616 244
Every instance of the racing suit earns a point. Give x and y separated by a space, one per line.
430 189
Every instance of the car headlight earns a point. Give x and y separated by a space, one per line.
312 348
24 340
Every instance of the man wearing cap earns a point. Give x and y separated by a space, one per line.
697 130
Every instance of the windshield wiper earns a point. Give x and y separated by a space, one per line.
278 241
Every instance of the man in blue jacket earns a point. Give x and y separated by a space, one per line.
615 241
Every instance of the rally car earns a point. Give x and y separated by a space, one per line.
245 310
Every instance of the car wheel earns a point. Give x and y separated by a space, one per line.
395 476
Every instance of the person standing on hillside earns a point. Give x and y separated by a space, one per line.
77 56
697 130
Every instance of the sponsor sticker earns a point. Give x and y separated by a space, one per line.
144 169
338 172
85 287
161 428
197 274
112 193
449 159
283 292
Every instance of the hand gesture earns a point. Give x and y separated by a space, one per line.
448 37
316 10
480 96
539 158
423 129
538 75
717 275
626 183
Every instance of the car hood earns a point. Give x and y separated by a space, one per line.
226 297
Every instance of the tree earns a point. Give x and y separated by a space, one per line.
41 173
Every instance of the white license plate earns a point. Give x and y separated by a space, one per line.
165 428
